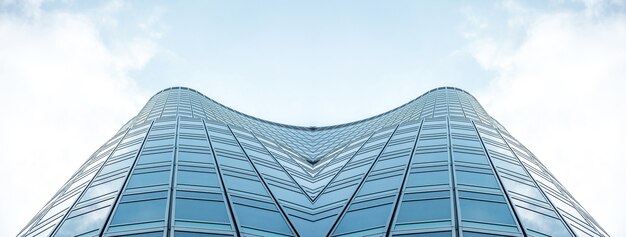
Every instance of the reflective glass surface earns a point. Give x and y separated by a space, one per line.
186 165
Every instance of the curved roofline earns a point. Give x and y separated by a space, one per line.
313 128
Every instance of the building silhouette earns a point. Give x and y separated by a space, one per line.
188 166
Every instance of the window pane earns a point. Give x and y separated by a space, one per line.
427 195
139 211
476 179
103 188
273 221
429 234
363 219
149 179
473 158
542 223
151 234
424 210
486 211
196 234
431 157
154 158
201 210
142 196
483 196
194 157
197 178
428 178
474 234
83 223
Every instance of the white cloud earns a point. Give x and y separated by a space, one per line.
561 93
63 93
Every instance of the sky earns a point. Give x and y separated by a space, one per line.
73 72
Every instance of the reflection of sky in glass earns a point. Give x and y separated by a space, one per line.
87 222
522 188
542 223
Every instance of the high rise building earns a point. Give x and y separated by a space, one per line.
189 166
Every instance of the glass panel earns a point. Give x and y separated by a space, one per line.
149 179
541 223
196 234
83 223
151 234
427 195
484 196
142 196
474 234
194 157
250 216
197 178
423 225
428 178
101 189
203 225
201 210
465 142
476 179
154 158
429 234
472 158
522 188
364 219
251 186
116 166
430 157
200 195
160 142
486 211
424 210
139 211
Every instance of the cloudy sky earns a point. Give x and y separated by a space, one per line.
552 72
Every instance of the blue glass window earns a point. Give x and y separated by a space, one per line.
160 142
424 210
486 211
143 196
483 196
83 223
428 178
139 211
474 234
149 179
472 158
428 234
427 195
155 158
195 157
116 166
363 219
536 222
151 234
201 210
476 179
197 178
430 157
196 234
271 220
102 188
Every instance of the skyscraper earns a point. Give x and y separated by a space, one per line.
188 166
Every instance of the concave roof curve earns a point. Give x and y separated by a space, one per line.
315 128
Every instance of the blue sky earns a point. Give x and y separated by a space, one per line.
549 71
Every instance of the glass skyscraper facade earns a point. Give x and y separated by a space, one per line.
188 166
